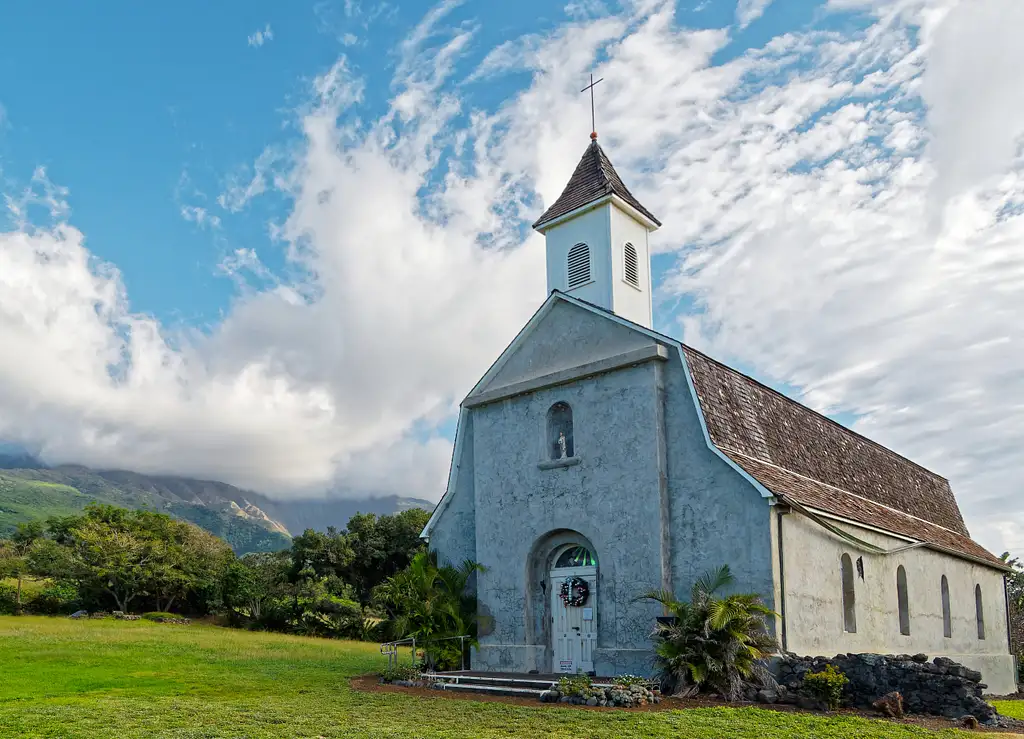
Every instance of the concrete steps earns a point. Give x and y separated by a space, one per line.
527 686
490 690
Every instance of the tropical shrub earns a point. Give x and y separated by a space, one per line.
712 643
433 604
577 686
629 680
392 673
54 598
827 686
8 599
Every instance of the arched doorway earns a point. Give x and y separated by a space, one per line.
573 593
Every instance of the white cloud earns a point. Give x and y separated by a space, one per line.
796 184
200 216
974 96
241 187
748 11
262 36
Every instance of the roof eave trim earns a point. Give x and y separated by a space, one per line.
765 492
453 478
924 544
453 471
526 330
968 557
649 223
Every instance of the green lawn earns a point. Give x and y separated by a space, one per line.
63 678
1013 709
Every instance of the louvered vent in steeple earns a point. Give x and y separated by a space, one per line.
578 266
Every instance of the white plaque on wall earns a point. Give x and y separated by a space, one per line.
588 614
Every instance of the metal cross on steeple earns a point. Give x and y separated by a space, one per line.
593 117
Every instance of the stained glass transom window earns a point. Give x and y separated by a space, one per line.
576 557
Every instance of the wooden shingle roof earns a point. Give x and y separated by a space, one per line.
805 458
594 178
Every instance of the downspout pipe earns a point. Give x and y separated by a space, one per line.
780 512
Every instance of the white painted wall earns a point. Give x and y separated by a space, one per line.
627 301
606 229
591 228
814 601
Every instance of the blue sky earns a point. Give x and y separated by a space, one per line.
223 218
140 111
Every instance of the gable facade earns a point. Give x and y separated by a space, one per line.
659 492
642 491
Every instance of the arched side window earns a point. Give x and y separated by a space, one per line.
849 595
947 618
578 266
980 608
631 265
903 600
560 437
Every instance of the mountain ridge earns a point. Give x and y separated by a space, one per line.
247 520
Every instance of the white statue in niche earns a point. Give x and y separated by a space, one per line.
562 444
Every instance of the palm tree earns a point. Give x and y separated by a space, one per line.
431 603
720 643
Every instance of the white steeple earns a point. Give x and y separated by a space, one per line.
597 240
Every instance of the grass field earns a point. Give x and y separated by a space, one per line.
63 678
1013 709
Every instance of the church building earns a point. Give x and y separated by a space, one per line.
598 459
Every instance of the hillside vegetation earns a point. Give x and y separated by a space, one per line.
27 495
325 584
248 521
97 679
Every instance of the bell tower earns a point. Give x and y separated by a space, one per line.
597 237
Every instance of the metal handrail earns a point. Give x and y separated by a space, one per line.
390 649
462 647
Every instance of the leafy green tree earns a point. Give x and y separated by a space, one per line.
381 547
186 559
325 609
257 590
432 603
1015 602
320 554
113 557
15 556
712 641
126 556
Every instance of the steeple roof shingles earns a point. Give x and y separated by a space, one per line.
594 178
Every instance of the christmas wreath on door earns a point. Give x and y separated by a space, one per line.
574 592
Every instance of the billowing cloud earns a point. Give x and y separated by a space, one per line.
748 11
797 183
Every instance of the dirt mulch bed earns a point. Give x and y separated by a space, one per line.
372 684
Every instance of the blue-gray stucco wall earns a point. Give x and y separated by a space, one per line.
610 497
454 534
717 516
506 509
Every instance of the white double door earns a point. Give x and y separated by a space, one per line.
574 628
